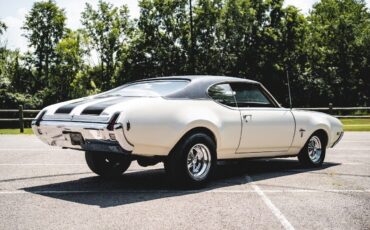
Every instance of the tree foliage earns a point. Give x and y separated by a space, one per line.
107 28
3 27
326 54
338 50
44 27
159 42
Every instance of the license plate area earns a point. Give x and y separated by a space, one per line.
76 138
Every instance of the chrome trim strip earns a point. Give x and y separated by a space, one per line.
82 118
57 117
339 138
90 118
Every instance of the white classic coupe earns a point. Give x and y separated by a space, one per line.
187 122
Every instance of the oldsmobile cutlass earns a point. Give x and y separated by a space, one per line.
187 122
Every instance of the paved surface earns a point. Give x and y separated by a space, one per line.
44 187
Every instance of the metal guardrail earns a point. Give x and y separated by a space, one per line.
330 110
21 117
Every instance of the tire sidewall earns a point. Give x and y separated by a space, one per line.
304 157
178 165
95 162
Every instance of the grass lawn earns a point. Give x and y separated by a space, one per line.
15 131
361 124
349 125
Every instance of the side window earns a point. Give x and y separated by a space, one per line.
223 94
250 95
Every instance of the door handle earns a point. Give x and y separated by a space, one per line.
247 118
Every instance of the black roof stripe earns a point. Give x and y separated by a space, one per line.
97 109
66 109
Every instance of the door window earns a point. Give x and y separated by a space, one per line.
250 95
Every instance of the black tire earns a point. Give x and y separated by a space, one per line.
176 165
305 156
107 164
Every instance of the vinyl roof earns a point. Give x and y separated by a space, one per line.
199 84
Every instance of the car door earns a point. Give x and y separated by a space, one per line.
266 127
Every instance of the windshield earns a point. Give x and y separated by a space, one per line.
148 88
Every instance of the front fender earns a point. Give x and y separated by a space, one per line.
309 122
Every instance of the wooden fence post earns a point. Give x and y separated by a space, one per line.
330 108
21 121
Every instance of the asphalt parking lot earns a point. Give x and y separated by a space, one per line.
44 187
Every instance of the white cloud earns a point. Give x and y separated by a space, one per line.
13 34
306 5
303 5
17 9
73 8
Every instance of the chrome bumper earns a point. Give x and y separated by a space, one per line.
95 136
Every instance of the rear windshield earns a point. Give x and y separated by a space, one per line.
148 88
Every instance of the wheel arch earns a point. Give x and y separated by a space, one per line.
323 133
198 129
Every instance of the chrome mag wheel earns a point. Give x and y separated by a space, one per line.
314 149
199 161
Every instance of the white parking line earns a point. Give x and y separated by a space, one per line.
353 163
39 164
354 141
35 149
21 191
352 149
283 220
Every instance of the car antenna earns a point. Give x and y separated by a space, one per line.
290 96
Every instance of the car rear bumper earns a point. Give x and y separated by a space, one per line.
86 136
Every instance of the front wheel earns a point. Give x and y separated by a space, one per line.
313 153
107 164
192 161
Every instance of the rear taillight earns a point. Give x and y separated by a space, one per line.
112 121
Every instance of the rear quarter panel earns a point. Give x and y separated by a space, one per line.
157 124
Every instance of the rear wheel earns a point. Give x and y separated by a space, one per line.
192 161
106 164
313 153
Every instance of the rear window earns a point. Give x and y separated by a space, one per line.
149 88
223 94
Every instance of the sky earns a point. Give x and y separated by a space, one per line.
12 13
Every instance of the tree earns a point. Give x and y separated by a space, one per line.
107 28
3 27
69 63
339 50
207 15
326 53
44 27
3 49
160 42
292 63
16 82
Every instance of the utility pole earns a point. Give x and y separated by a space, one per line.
192 61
